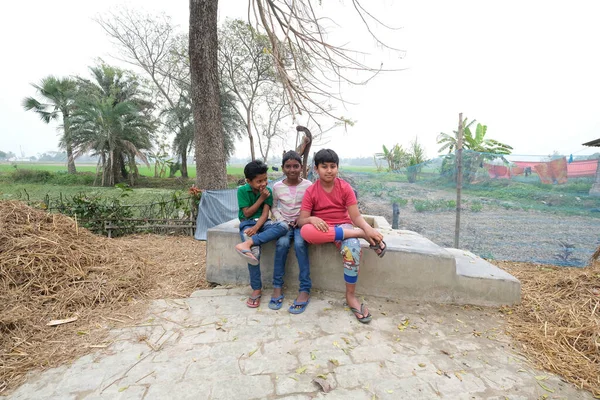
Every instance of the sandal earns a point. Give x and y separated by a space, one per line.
298 307
276 302
249 256
379 247
365 318
253 301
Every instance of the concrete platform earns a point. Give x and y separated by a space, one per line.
414 268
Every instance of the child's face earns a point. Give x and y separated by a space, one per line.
292 169
258 183
327 171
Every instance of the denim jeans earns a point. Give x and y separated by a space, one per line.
282 247
268 232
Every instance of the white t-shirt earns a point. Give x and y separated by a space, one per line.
288 199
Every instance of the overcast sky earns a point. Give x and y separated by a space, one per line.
529 70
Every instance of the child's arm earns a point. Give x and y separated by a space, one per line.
305 219
249 211
261 221
373 236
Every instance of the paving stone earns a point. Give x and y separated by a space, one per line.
186 390
233 349
273 357
243 387
345 394
117 392
372 353
295 383
359 375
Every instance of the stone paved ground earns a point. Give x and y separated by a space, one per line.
211 346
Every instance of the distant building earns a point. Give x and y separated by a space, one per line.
595 190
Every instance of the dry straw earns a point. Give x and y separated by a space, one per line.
558 320
50 269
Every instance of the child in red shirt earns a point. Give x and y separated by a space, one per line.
328 214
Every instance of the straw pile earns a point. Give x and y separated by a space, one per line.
51 269
558 321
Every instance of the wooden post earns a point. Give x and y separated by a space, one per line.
395 215
459 144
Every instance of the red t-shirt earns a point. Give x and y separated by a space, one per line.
330 207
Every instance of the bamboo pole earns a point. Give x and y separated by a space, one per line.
459 144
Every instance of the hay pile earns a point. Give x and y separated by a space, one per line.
51 269
558 321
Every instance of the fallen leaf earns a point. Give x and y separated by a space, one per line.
301 370
336 344
458 376
327 309
335 362
445 352
422 365
293 377
459 321
55 322
346 340
252 352
323 376
312 355
541 377
123 388
390 391
81 333
235 338
546 388
521 370
325 386
383 313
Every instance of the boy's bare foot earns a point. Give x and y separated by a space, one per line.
244 245
302 296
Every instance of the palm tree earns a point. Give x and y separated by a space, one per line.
58 98
114 122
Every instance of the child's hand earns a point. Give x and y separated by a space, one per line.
250 231
264 193
319 224
373 236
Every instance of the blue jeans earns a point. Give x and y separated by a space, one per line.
267 233
282 247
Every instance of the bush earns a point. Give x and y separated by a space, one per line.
32 176
433 205
476 206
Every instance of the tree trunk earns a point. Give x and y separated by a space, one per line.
250 137
211 170
70 159
184 172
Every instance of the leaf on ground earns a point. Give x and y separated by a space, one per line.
458 376
445 352
252 352
383 313
545 387
346 340
390 391
235 338
293 377
541 377
327 309
335 362
521 370
322 376
336 344
422 365
301 370
81 333
312 355
325 386
123 389
459 321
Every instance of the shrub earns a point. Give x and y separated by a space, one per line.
32 176
476 206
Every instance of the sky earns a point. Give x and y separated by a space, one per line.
530 70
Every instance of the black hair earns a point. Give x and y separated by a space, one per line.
291 155
326 155
254 168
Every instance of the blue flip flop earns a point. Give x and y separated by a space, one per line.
276 302
250 258
298 307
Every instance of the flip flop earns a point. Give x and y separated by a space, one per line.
248 256
366 318
382 250
299 306
253 301
276 302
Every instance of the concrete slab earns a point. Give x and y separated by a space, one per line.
410 350
414 268
483 283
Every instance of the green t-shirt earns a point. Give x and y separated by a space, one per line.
246 198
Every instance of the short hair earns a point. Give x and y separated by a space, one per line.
291 155
254 168
326 155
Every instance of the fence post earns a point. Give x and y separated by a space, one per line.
459 144
395 215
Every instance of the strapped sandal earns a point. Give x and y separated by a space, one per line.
382 249
253 301
298 307
365 318
248 256
276 302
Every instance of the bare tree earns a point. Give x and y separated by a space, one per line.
304 61
273 126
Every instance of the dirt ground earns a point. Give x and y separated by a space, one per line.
495 232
